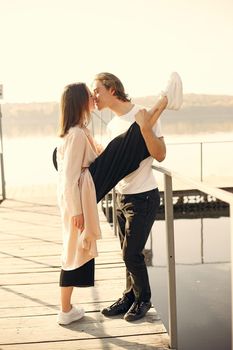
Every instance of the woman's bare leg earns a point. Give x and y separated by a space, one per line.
66 293
157 110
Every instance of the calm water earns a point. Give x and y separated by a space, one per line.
28 160
202 248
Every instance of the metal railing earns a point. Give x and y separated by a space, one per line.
169 223
215 192
201 149
3 185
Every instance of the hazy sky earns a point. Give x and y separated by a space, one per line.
46 44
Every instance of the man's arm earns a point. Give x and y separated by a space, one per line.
155 145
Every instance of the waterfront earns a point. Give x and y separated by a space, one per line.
28 160
202 248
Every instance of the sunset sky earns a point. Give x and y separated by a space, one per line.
46 44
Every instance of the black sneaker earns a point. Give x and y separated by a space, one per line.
137 310
121 306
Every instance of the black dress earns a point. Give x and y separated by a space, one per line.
121 157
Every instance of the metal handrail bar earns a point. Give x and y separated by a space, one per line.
169 220
213 191
196 142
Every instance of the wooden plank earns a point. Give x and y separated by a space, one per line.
42 247
30 311
139 342
48 294
32 248
93 325
29 296
29 264
52 275
40 269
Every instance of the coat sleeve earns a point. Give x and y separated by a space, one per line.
73 160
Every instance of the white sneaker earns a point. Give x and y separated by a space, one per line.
76 313
174 92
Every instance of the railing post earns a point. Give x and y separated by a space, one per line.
114 216
107 213
107 207
1 160
171 261
231 234
201 161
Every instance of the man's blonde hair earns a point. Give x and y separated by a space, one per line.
111 81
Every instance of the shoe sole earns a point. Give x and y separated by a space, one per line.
113 314
74 320
131 318
177 92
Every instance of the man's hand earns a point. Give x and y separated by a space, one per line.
155 145
78 222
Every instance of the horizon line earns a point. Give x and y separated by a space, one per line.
133 97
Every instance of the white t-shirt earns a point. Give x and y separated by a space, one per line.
142 179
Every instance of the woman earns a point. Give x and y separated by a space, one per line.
83 180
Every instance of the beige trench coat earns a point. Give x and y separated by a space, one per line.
76 195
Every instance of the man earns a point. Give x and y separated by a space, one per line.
138 197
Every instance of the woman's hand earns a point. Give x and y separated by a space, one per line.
99 148
78 222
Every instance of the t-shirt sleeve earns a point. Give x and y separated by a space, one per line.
73 160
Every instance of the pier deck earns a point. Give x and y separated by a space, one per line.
30 241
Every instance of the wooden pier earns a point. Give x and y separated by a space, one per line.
187 204
30 241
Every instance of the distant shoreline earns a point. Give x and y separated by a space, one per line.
199 114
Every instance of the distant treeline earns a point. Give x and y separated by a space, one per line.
30 119
200 113
194 120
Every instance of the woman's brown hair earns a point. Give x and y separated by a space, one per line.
74 107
